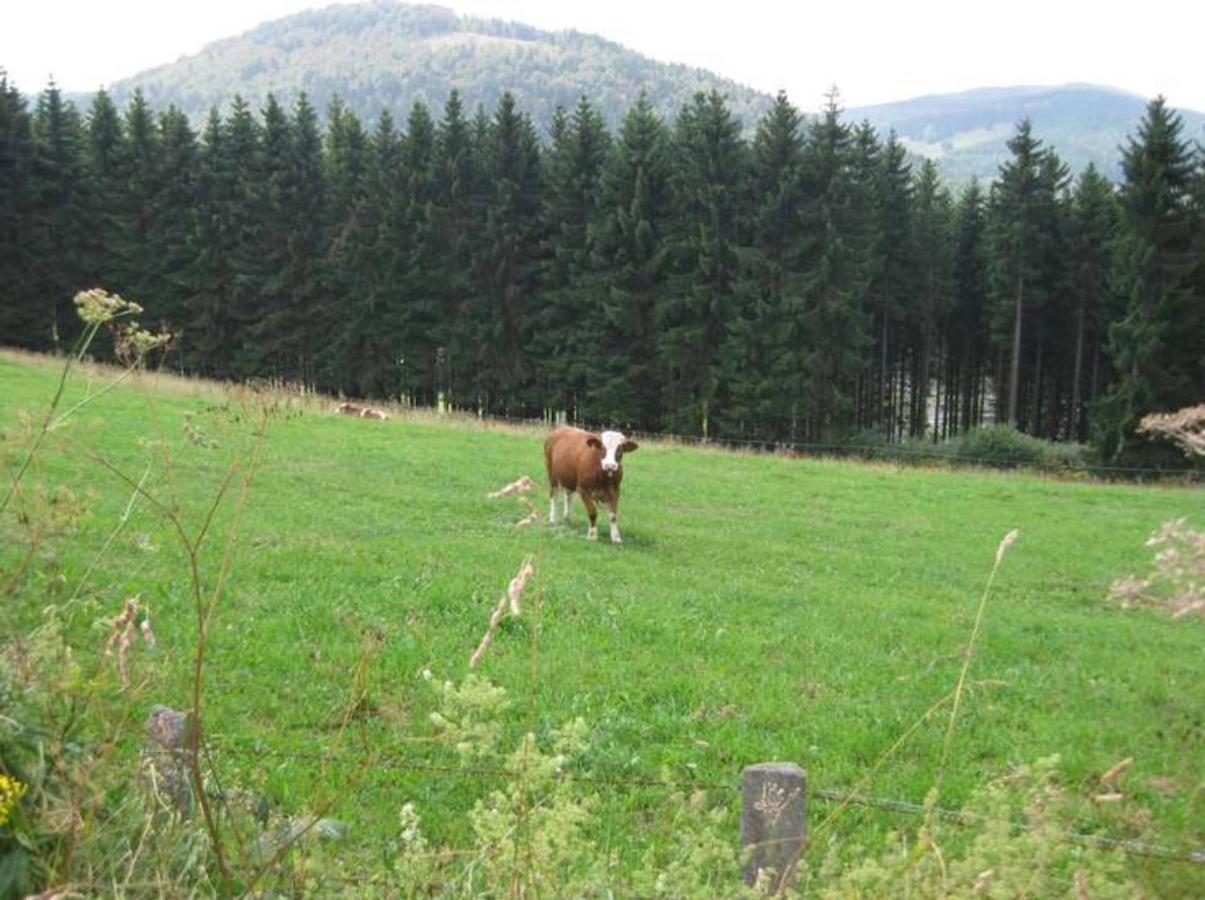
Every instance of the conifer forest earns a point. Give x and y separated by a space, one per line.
796 279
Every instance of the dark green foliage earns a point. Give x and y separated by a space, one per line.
836 259
506 263
806 285
1024 236
632 253
24 318
568 315
58 232
1157 346
707 180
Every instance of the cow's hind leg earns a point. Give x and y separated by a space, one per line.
565 509
552 504
592 512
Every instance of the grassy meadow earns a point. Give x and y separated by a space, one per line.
760 608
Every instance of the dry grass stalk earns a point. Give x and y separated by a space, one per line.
1007 541
1109 779
121 635
1177 582
508 602
521 485
519 488
1185 428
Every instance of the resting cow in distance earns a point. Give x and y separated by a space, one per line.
591 465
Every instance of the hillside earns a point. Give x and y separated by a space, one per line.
967 132
760 608
387 55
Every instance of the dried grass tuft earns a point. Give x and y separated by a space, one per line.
1177 579
121 635
519 489
1185 428
509 602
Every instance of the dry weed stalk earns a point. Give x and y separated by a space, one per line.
1177 582
121 635
519 488
507 602
1007 541
1185 428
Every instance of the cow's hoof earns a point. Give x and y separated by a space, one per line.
592 535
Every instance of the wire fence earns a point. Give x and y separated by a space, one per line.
886 452
396 762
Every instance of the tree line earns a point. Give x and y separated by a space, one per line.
807 283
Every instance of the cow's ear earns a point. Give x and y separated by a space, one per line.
630 446
594 442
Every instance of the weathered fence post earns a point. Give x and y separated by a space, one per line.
773 820
167 757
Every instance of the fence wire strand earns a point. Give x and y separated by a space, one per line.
866 452
825 795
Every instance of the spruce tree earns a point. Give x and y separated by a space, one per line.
967 330
416 244
768 330
568 333
1024 210
631 252
1158 345
143 161
24 316
836 274
932 216
456 223
893 287
59 235
709 158
107 176
170 262
1093 235
506 267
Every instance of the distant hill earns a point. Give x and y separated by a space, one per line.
967 132
386 55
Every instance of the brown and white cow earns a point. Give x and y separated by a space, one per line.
588 464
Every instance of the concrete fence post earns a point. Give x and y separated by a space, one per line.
773 820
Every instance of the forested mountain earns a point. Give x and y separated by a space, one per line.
968 132
386 55
807 283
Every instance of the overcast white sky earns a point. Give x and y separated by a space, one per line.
874 51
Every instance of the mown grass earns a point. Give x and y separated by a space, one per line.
760 609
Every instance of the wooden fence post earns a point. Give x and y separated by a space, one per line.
773 820
167 758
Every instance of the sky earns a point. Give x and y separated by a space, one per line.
874 52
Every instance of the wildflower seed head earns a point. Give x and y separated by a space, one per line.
97 306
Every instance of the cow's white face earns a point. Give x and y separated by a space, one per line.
613 446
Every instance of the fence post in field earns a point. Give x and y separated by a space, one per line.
773 820
166 757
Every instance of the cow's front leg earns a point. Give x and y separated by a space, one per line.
592 512
613 515
552 506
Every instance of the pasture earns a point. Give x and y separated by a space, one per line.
760 608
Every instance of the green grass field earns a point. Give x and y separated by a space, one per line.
760 609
